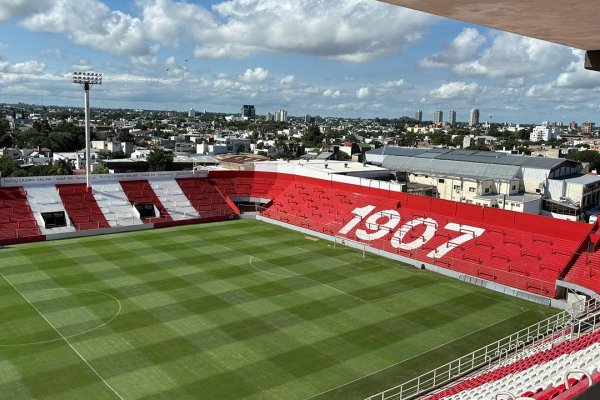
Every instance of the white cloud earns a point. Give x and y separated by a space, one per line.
334 94
287 80
392 87
148 59
91 23
514 56
353 30
255 75
463 48
455 90
16 8
52 53
169 21
515 83
82 65
24 68
362 93
576 76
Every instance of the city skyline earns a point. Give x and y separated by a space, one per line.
381 61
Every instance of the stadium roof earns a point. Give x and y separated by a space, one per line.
472 156
465 169
571 23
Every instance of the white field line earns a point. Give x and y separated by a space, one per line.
404 292
298 276
75 334
489 297
63 337
410 358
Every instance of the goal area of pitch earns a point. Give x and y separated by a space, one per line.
340 242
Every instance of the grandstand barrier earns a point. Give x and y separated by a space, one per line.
561 323
98 231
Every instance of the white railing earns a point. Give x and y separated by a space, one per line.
519 341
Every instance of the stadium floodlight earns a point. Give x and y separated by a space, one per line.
86 79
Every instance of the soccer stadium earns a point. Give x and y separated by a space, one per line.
282 281
326 286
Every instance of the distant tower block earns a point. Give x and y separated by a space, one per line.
419 115
474 120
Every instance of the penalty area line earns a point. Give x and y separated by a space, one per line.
300 276
63 337
410 358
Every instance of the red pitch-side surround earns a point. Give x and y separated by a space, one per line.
82 207
140 192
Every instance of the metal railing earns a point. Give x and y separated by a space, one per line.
526 338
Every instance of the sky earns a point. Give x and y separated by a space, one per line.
351 58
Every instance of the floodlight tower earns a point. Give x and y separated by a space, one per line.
87 79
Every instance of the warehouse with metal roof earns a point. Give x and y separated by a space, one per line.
486 178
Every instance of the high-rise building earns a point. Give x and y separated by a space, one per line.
438 117
587 127
572 126
474 120
452 117
281 115
191 113
248 111
544 132
419 115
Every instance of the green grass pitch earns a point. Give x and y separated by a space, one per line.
233 310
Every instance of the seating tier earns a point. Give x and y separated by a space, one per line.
16 218
81 207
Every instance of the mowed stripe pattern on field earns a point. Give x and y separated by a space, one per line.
236 310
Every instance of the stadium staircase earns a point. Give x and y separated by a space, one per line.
81 207
141 192
17 222
115 205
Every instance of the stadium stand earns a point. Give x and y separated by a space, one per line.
206 199
540 372
115 205
585 271
17 222
44 199
526 252
530 253
174 200
81 207
522 251
141 194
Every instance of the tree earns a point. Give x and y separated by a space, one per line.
589 156
159 160
101 170
62 167
8 166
